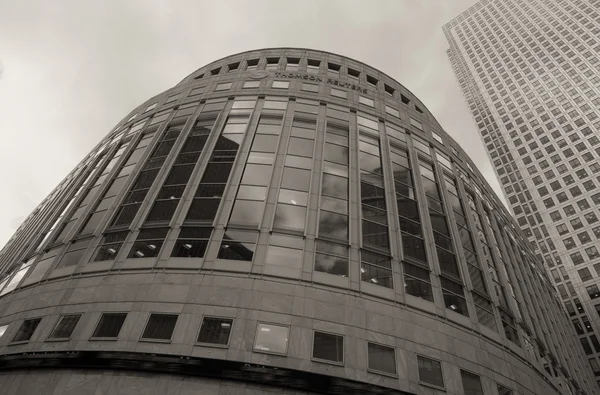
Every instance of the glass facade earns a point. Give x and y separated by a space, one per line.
360 201
530 72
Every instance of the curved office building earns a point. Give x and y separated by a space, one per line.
282 220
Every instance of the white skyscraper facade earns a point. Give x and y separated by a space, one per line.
530 72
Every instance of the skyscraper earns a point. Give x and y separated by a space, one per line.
280 220
530 72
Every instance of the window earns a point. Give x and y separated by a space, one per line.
328 347
331 258
503 390
110 325
430 371
148 243
26 330
109 246
65 326
272 338
333 69
310 87
471 383
223 87
215 331
382 358
366 101
353 73
585 274
251 84
372 80
160 326
252 64
593 291
339 93
280 84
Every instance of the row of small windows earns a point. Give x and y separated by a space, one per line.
270 338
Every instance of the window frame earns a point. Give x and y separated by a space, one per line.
287 343
13 342
58 322
153 340
104 338
217 345
425 383
381 372
328 361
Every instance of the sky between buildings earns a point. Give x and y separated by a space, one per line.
70 70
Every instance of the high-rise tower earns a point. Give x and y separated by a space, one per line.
280 220
530 71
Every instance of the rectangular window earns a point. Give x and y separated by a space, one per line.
215 331
26 330
430 371
251 84
238 245
223 87
366 101
148 243
503 390
65 326
160 327
328 347
471 383
382 358
310 87
3 329
272 338
416 124
280 84
331 258
110 325
192 242
109 246
339 93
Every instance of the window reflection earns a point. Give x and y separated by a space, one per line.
238 245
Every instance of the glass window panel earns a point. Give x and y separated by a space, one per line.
252 193
284 257
247 212
271 338
430 371
297 179
293 197
336 153
290 217
328 347
381 358
301 147
160 327
333 225
334 168
331 264
332 204
110 325
256 175
298 161
265 143
215 331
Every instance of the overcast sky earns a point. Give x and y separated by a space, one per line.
70 70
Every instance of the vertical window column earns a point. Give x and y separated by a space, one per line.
250 200
417 280
136 195
375 261
333 208
290 213
452 288
170 194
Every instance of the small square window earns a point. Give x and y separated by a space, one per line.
26 330
312 65
355 74
233 67
160 327
65 326
197 91
471 383
272 338
333 69
430 371
382 358
110 325
215 71
310 87
388 89
372 80
251 84
223 87
252 64
272 64
328 347
404 99
280 84
215 331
